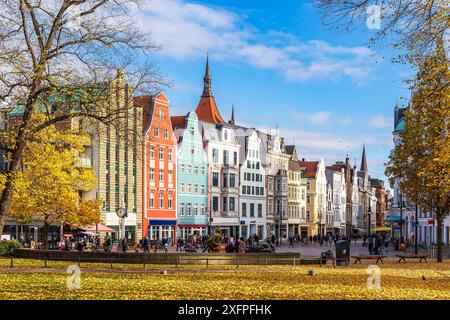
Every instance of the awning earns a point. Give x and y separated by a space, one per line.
101 228
392 218
382 229
153 222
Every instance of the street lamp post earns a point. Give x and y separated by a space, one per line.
401 215
369 214
415 229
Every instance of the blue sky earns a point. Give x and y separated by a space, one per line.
277 64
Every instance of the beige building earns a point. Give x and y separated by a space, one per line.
316 197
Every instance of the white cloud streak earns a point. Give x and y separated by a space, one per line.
186 30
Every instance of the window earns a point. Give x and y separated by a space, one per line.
249 164
232 180
181 208
203 189
161 114
215 155
189 169
261 191
225 156
196 209
257 165
252 209
161 153
181 187
161 200
244 209
203 209
170 154
152 174
203 170
195 188
225 135
224 181
152 152
215 179
191 130
170 176
189 188
170 201
225 204
244 189
152 200
259 210
232 204
182 168
188 209
235 161
215 203
161 175
195 170
156 132
166 134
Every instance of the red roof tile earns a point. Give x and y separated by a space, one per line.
311 168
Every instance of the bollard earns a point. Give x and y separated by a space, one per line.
294 262
45 261
237 261
12 263
176 261
207 262
144 263
111 261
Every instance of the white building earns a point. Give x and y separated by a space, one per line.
336 201
252 186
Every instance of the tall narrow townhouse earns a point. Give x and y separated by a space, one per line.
192 179
223 158
297 224
337 199
277 164
252 182
159 157
316 188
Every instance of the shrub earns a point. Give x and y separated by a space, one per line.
7 247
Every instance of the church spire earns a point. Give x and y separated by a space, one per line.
207 89
364 160
232 116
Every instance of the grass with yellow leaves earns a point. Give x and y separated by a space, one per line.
29 280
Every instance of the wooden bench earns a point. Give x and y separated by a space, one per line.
412 256
368 257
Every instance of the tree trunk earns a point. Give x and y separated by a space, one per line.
440 228
2 223
46 227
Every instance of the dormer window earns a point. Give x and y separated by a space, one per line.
161 114
191 130
225 135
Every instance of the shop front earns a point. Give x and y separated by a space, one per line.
186 230
162 229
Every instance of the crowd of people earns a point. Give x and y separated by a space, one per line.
319 240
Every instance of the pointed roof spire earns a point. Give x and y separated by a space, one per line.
232 116
207 109
207 88
364 160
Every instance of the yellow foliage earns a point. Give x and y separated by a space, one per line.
48 188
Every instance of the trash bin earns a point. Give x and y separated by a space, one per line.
342 252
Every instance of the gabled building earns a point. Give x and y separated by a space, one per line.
192 179
222 150
316 198
336 201
252 184
159 159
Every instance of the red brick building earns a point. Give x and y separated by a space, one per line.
159 169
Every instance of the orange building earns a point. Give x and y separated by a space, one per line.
159 169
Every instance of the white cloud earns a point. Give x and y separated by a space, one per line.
187 30
380 122
320 118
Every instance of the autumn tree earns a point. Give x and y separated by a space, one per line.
421 160
49 186
412 26
66 48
